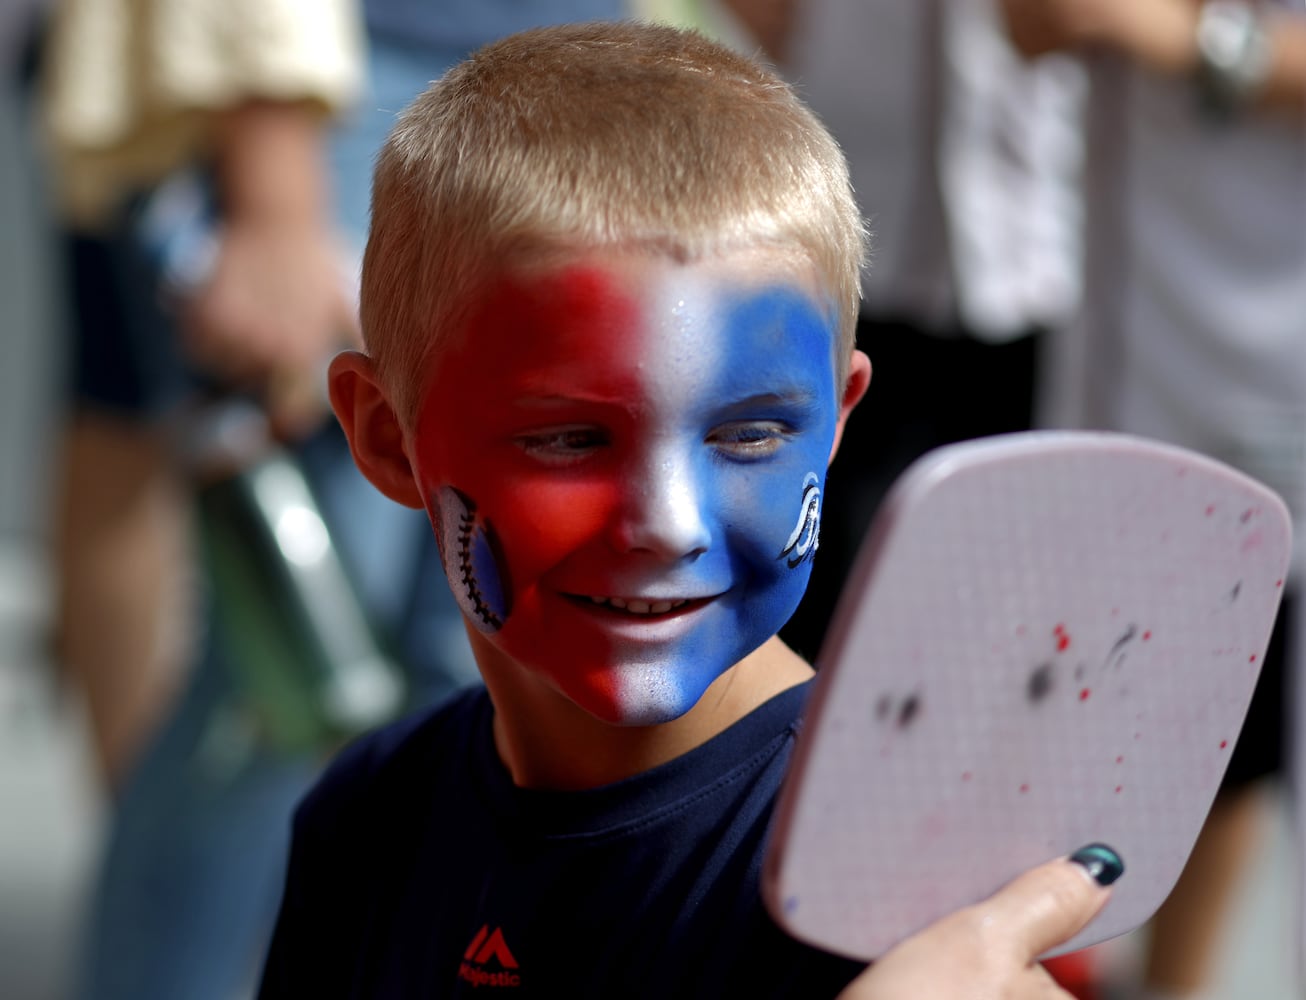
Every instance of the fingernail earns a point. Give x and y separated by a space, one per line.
1101 862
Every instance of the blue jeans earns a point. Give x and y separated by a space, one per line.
194 860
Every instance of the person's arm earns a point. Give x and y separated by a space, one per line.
991 949
1162 35
276 306
770 22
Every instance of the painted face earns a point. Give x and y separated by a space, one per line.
623 458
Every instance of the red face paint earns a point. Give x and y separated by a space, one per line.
623 456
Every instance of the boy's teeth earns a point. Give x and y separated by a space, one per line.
638 607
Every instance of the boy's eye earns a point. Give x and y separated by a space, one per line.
562 445
750 439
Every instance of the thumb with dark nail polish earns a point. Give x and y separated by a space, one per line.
1102 863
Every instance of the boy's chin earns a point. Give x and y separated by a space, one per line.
639 697
638 716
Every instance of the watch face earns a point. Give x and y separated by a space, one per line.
1233 54
1222 33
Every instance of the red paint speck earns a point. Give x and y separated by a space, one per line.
1252 658
1063 643
966 776
1119 789
1084 694
1059 630
1278 583
1210 509
1223 744
1120 760
1024 789
1147 635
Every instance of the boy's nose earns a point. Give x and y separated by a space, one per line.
662 511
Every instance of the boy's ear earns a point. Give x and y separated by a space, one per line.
859 377
375 436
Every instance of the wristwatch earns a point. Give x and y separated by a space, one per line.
1233 55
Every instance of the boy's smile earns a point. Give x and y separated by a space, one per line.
623 457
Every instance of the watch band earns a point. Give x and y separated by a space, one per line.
1233 55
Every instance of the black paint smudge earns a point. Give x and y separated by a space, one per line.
1117 651
911 708
1039 685
883 707
1237 589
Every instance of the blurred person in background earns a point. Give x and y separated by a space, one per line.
134 94
29 374
965 161
131 98
1193 326
274 108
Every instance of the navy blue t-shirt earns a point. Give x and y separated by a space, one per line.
419 870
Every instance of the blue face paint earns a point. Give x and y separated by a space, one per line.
775 375
631 500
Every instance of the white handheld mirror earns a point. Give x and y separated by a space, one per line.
1049 639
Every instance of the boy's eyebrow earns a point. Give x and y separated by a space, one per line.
795 397
528 399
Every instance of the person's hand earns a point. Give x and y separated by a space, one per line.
988 951
1160 34
277 305
272 314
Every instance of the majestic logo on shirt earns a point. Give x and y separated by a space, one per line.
489 946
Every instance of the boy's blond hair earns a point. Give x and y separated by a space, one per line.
589 136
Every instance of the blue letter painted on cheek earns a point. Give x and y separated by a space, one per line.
803 541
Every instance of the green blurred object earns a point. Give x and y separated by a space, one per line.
683 13
311 669
301 644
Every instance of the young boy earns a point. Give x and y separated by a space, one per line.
608 297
